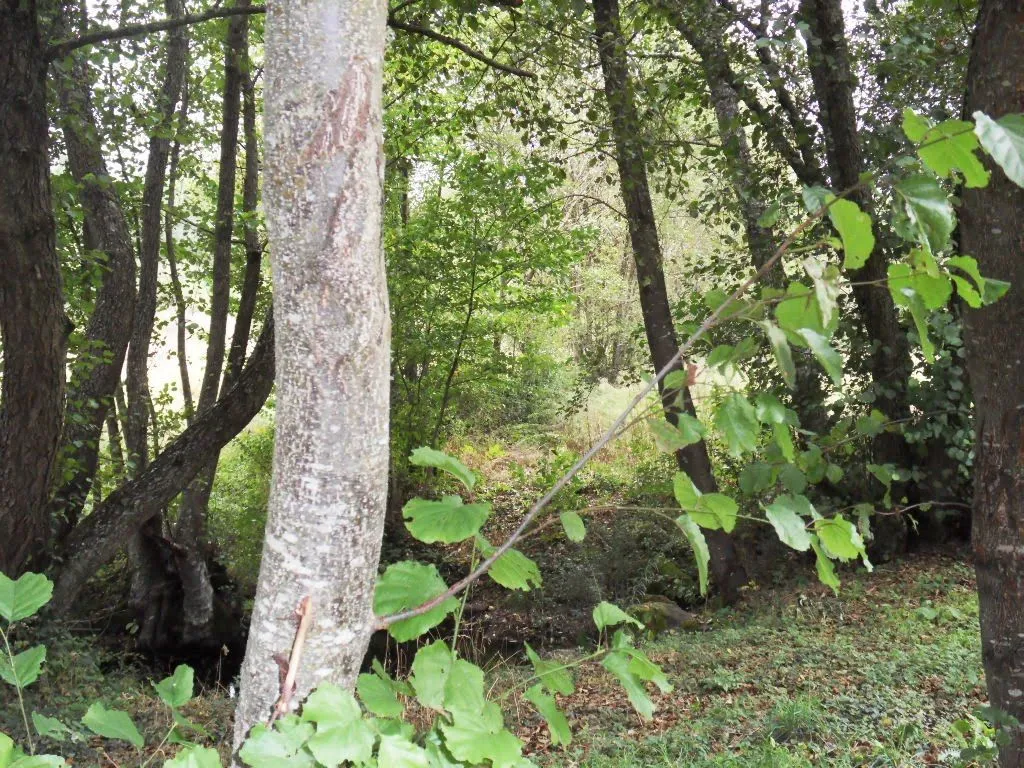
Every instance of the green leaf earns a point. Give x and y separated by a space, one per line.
826 571
396 752
784 440
428 457
904 295
513 570
378 697
854 228
573 526
448 521
736 419
825 279
929 210
934 290
1003 139
558 725
755 477
24 597
770 410
430 671
195 756
784 515
6 750
38 761
783 354
609 615
280 747
26 667
112 724
872 424
50 727
792 478
333 744
989 290
840 537
699 545
618 663
714 511
176 690
830 360
330 705
947 147
474 740
556 677
686 491
799 309
670 438
464 689
408 585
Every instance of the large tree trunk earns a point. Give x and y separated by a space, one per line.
990 229
323 193
105 532
729 572
97 370
33 326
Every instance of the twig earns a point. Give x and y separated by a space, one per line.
459 45
290 668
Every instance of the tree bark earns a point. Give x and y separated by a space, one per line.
104 533
990 230
97 370
655 307
323 200
33 326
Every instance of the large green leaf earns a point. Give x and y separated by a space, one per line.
430 671
825 353
826 281
573 526
934 290
670 437
840 537
686 491
618 663
176 691
783 354
112 724
854 228
476 738
428 457
378 696
699 545
988 290
906 296
407 585
609 615
826 570
50 727
25 668
785 516
715 511
194 756
396 752
736 419
799 309
22 598
447 521
928 207
464 689
947 147
1003 139
279 747
556 677
755 477
558 725
513 570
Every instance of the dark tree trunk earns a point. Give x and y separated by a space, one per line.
990 228
104 532
33 326
655 307
97 371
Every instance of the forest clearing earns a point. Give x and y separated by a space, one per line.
509 383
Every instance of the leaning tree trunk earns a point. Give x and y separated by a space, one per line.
33 326
323 193
990 224
726 566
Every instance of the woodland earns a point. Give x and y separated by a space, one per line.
511 383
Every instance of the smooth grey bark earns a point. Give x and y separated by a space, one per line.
655 307
33 326
323 201
990 228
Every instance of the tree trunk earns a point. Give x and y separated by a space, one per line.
33 326
97 370
105 532
729 572
990 223
323 193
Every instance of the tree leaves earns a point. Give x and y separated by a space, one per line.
783 354
715 511
25 668
513 570
1003 139
839 537
24 597
176 691
736 419
558 726
699 545
852 224
341 732
428 457
447 521
609 615
430 671
112 724
825 354
927 206
947 147
406 585
573 526
785 516
553 675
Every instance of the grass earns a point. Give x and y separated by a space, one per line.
801 678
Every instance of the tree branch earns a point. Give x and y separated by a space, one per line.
63 48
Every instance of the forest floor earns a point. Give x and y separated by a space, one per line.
795 676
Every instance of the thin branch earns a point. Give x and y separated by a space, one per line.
64 47
459 45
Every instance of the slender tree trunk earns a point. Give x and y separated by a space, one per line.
190 532
324 64
97 370
729 572
990 224
105 532
33 326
